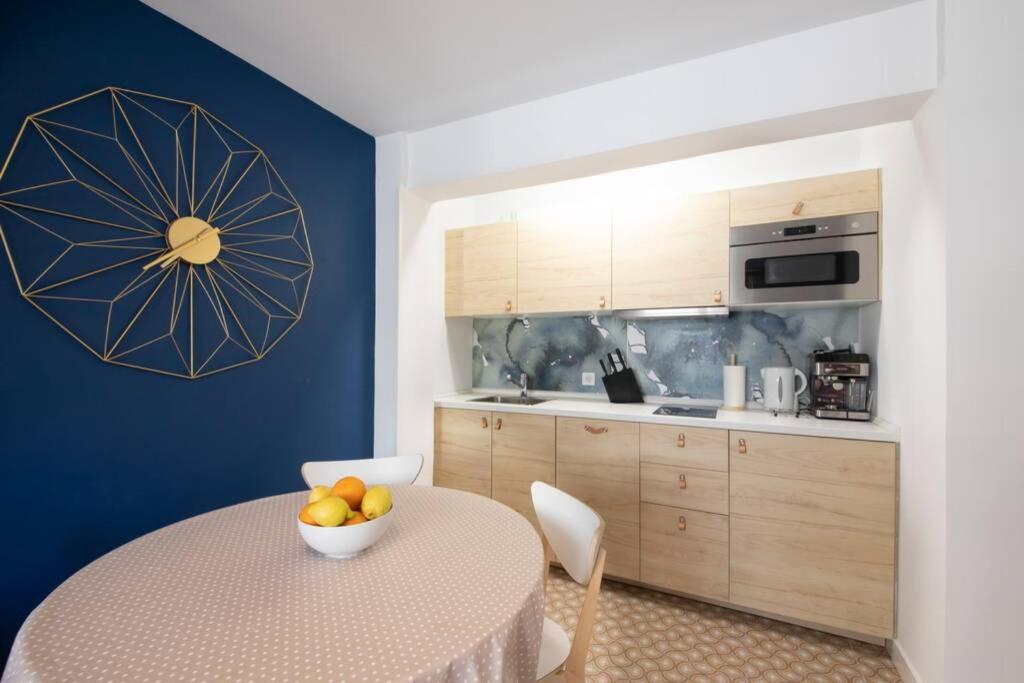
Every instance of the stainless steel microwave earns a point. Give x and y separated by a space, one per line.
822 260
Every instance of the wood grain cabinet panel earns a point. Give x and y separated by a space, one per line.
685 467
684 550
480 270
462 450
599 463
565 261
522 452
813 529
671 253
831 195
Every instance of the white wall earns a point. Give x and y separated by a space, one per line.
983 99
391 167
871 59
906 336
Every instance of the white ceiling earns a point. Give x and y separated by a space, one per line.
391 65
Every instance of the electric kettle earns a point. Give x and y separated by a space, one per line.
780 392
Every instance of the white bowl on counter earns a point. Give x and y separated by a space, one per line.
345 542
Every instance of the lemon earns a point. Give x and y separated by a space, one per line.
376 502
318 493
329 511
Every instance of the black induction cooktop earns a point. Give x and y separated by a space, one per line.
687 411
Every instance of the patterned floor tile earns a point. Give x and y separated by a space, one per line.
643 635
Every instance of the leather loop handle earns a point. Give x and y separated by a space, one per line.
682 482
483 423
595 430
743 445
682 523
681 440
497 423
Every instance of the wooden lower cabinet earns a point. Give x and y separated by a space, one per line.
599 463
794 526
522 452
462 450
813 529
684 550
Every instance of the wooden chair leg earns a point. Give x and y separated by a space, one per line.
576 663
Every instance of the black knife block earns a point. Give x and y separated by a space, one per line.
622 387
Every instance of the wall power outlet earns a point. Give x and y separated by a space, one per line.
588 379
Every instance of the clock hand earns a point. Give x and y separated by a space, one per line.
169 257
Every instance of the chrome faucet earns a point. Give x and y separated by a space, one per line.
521 384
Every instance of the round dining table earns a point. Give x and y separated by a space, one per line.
454 591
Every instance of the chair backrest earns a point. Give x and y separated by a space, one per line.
572 529
398 469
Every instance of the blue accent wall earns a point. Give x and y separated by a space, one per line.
93 455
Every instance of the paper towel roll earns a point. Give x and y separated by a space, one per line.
734 385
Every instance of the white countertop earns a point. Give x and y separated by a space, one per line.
746 420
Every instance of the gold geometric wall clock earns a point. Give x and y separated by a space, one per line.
153 233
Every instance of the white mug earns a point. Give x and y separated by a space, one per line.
779 388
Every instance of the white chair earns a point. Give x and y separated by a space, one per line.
399 469
573 532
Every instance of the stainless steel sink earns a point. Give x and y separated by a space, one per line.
510 400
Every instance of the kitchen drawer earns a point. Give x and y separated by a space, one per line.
462 450
685 487
522 452
598 462
684 550
685 467
706 449
832 195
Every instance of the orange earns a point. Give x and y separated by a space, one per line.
358 518
305 516
351 489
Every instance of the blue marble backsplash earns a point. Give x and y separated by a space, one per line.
678 357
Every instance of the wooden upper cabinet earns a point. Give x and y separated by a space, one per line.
462 450
480 270
565 260
522 452
671 253
831 195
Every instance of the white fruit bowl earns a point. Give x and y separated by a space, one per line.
344 542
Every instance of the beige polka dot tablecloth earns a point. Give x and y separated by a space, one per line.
452 592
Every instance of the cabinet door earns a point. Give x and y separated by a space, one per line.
522 452
831 195
685 467
462 450
684 550
598 462
480 270
813 529
565 261
671 253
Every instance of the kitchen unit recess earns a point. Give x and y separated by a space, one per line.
661 253
799 527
